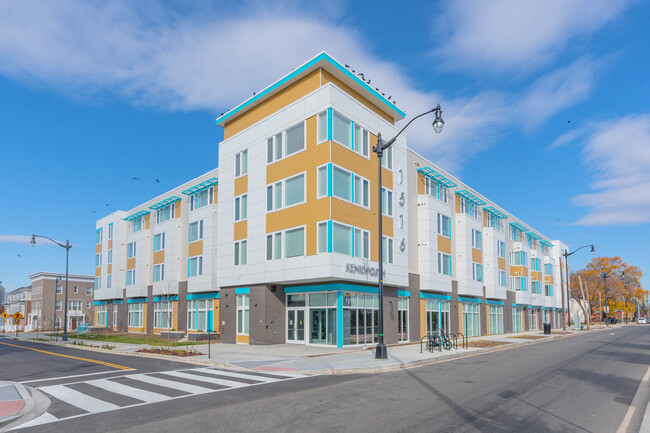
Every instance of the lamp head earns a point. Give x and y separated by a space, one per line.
593 250
438 123
33 241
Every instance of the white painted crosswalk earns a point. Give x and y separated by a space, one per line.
82 398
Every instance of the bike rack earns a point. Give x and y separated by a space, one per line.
454 340
465 341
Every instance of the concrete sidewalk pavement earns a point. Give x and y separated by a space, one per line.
15 401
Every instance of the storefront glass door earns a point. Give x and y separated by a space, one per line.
296 326
318 323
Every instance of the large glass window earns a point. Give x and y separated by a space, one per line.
164 213
110 231
437 316
322 127
294 244
162 314
444 225
285 143
360 317
342 239
158 272
477 271
243 314
402 318
494 222
361 140
98 259
501 249
241 253
387 247
477 239
295 139
159 242
130 250
534 319
98 236
130 277
342 130
102 315
435 190
444 264
467 207
342 183
471 319
517 319
195 231
195 266
496 319
241 163
202 198
198 314
241 207
137 224
502 278
294 193
386 202
135 315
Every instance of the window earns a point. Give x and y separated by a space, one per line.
164 213
341 130
437 316
195 231
322 127
361 191
387 247
549 269
110 231
444 225
241 253
102 315
159 242
435 190
136 224
477 239
109 259
471 319
342 184
544 249
241 163
59 290
76 289
195 266
158 272
346 240
130 250
534 287
98 236
477 271
199 314
534 264
75 305
109 281
162 314
361 243
135 315
467 207
519 284
345 185
402 318
341 239
285 143
514 234
98 283
548 289
322 181
58 306
361 141
243 311
89 291
444 264
202 198
518 258
241 207
501 249
294 193
494 222
530 241
130 277
517 319
386 202
294 244
98 259
322 237
387 158
502 278
496 319
88 304
115 315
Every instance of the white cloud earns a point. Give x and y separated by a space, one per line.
567 138
619 153
505 34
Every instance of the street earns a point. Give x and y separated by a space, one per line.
583 383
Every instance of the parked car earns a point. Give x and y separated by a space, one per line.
642 321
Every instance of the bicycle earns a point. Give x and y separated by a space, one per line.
438 342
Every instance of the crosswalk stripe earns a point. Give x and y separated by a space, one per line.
79 399
43 419
192 389
237 375
228 383
120 388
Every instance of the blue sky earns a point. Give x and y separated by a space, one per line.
545 104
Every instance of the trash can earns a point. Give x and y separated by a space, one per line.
547 328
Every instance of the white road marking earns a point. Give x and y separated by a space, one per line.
79 399
192 389
129 391
228 383
43 419
76 375
238 375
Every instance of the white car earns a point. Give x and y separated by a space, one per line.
642 321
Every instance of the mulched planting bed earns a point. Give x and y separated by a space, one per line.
486 343
528 337
173 352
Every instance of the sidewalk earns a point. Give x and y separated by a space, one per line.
15 401
305 359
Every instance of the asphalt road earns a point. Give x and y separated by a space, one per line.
583 383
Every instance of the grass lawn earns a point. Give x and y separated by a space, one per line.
528 337
134 339
486 343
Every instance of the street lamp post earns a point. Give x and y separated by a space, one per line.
56 286
605 275
438 123
67 247
566 255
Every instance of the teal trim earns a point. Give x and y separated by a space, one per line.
331 288
242 291
195 296
329 179
329 123
436 177
519 227
519 305
353 250
491 302
424 295
470 197
339 319
495 212
99 229
534 236
321 57
464 299
547 243
406 293
210 321
165 298
329 236
201 186
137 215
168 201
100 303
137 301
118 301
352 141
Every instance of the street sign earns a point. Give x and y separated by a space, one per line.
17 316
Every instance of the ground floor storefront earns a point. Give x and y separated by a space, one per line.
338 314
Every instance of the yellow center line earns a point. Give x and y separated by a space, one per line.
108 364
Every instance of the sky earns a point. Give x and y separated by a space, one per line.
545 106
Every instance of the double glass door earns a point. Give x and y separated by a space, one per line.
296 326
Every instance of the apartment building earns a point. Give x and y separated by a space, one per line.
18 301
48 301
281 246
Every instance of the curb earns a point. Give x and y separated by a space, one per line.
29 405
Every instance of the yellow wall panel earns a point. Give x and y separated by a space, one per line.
241 230
421 189
444 244
130 263
98 248
524 271
216 193
110 244
292 93
195 249
98 271
243 339
423 317
501 264
177 209
485 219
147 221
477 255
109 268
215 317
548 279
457 204
159 257
174 315
241 185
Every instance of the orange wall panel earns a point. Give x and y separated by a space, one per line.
241 230
195 248
444 244
241 185
159 257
